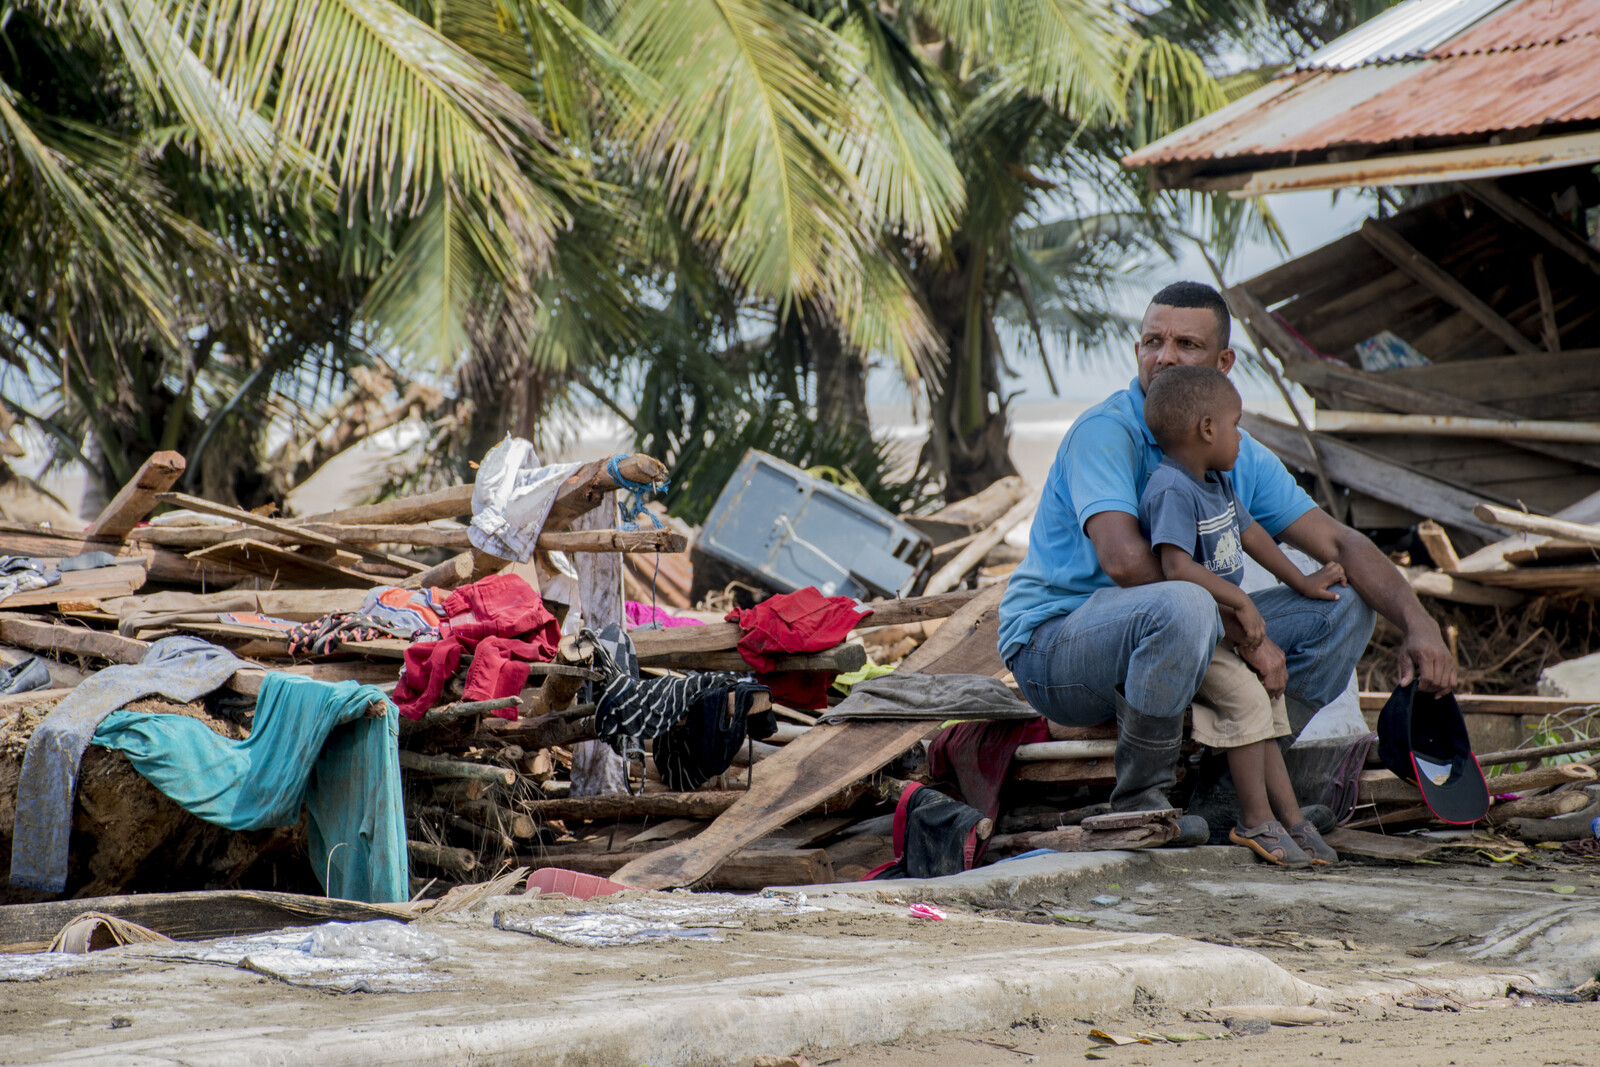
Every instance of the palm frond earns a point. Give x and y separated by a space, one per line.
1066 52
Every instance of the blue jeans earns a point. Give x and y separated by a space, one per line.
1154 642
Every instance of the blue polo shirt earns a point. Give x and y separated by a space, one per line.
1102 465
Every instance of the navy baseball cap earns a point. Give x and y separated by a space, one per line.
1423 739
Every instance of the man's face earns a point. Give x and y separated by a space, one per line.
1179 337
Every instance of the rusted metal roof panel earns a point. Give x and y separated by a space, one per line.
1261 123
1407 30
1531 64
1527 23
1476 93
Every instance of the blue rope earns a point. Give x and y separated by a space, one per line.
634 507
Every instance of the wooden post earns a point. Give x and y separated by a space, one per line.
136 499
456 860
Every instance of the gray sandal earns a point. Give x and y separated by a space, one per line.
1311 843
1271 842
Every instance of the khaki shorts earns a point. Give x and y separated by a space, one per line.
1232 708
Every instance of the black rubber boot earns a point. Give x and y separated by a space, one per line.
1146 760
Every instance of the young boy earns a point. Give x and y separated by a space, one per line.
1201 531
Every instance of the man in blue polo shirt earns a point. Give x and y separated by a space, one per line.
1091 630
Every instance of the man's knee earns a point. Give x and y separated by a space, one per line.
1181 614
1353 617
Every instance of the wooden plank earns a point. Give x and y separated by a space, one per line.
1498 379
164 565
1367 422
971 514
827 757
747 870
1383 787
1474 704
1393 483
248 556
1516 210
1348 842
288 529
70 640
1405 256
1075 771
1400 391
1578 532
1492 557
1437 542
1441 586
136 499
969 557
195 916
102 583
190 537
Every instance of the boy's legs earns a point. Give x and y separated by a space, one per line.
1233 712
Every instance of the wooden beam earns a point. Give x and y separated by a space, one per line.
1547 306
1516 210
1402 254
190 537
1393 483
1437 542
972 555
287 529
1441 586
102 583
136 499
827 757
445 768
1492 557
1511 430
748 870
1523 522
1475 704
1389 390
247 556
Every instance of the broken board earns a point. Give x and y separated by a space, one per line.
827 758
1380 846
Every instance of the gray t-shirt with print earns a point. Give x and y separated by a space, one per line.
1204 519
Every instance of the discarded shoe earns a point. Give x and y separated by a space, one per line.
1271 842
1192 830
1321 816
1311 843
24 677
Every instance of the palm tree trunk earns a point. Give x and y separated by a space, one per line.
970 439
841 375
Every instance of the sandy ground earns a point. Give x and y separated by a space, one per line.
1522 1036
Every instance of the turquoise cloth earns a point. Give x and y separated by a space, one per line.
311 742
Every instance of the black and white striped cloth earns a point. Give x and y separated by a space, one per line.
626 706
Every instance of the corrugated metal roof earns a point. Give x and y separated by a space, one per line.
1538 86
1413 28
1530 22
1533 63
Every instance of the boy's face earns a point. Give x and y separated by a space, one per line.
1222 450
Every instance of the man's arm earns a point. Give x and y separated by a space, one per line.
1124 553
1423 653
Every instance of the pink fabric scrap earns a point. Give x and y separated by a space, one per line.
639 615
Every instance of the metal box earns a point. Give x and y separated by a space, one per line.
792 530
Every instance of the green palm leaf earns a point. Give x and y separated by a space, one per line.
1067 52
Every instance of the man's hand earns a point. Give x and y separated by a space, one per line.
1425 657
1318 585
1266 659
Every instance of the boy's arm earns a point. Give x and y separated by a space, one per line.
1179 566
1265 551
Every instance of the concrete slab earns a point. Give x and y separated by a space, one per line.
853 973
1024 944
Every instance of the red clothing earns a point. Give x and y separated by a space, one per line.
793 623
503 623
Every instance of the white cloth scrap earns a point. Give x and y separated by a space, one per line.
511 498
